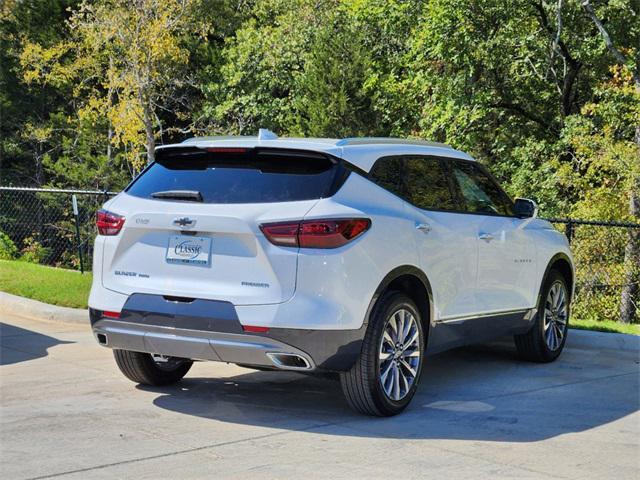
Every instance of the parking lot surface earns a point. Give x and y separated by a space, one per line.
67 412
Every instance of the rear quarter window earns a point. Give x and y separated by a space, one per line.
249 176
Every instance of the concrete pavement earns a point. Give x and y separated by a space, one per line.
66 411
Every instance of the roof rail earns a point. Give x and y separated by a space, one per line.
387 140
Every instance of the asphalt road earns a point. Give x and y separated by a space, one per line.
66 411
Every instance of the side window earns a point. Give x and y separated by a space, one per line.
387 172
427 184
419 180
480 193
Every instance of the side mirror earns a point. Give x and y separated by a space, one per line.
525 208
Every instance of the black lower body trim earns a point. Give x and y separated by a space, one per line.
334 350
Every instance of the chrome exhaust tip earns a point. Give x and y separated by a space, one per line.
290 361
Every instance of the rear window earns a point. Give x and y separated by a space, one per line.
239 176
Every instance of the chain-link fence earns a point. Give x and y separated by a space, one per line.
42 226
607 262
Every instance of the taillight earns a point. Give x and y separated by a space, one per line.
283 234
108 314
108 223
325 233
226 150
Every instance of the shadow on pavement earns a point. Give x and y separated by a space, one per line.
20 345
481 393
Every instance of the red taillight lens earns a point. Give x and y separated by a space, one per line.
254 329
109 314
226 150
283 234
108 223
329 233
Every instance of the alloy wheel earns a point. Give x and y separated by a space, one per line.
399 354
555 316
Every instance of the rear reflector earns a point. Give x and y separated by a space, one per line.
322 233
255 329
111 314
108 223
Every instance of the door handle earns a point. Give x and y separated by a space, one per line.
423 227
487 237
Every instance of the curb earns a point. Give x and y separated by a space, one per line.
26 307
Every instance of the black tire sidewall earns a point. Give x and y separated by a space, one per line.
140 367
388 306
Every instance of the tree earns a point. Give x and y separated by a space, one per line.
630 301
331 99
26 109
261 65
127 60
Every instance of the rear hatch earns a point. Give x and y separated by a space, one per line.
192 222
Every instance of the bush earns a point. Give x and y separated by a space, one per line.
8 250
34 252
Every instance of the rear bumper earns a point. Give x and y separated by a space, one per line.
210 330
199 345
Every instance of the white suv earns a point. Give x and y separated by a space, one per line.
356 256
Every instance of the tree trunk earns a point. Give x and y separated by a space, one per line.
147 119
148 128
109 137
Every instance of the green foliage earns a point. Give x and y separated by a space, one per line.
331 97
33 251
605 326
533 92
8 249
46 284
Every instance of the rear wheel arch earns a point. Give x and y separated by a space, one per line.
414 283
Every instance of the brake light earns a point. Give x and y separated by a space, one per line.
226 150
323 233
109 314
108 223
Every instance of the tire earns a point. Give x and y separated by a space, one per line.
535 345
364 387
142 368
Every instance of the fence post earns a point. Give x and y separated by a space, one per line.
74 203
569 230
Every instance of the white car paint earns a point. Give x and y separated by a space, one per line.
327 289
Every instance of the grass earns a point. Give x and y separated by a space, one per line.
69 288
57 286
605 326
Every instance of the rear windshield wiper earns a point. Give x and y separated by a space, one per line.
187 195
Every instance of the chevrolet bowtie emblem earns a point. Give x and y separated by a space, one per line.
184 222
